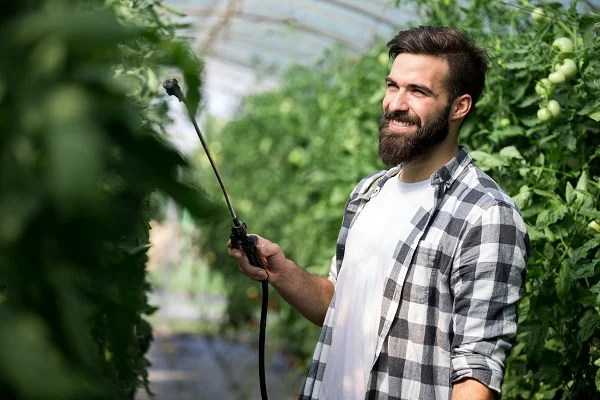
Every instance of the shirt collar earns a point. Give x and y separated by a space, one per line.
449 172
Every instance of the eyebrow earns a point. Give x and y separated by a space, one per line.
423 88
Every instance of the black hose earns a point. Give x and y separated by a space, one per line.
261 339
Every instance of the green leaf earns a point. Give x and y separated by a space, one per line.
582 182
544 193
509 131
511 152
522 198
595 115
584 270
569 192
551 215
588 324
524 307
527 101
536 336
590 213
535 234
487 161
516 65
563 283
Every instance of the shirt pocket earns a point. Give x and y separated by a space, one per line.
421 281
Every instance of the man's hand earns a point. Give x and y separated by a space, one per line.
271 256
307 293
472 389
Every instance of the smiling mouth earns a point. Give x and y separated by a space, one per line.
401 124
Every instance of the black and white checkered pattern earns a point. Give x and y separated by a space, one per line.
450 302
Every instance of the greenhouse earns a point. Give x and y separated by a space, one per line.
300 199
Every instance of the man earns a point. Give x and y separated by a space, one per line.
421 299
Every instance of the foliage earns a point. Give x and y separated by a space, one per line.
80 152
291 157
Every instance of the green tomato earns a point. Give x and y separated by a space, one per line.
554 108
539 16
544 87
544 115
557 77
568 67
504 122
563 44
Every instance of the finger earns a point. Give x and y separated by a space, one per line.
268 250
235 253
250 270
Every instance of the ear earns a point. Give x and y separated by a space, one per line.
460 107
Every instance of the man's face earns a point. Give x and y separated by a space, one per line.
416 109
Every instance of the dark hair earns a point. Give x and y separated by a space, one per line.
467 62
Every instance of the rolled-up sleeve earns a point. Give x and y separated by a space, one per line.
487 282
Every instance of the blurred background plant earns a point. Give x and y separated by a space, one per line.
81 150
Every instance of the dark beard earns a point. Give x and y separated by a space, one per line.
395 148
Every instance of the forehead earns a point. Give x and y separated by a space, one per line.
420 69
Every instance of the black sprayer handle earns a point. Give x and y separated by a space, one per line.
240 238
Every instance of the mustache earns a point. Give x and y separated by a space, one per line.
401 116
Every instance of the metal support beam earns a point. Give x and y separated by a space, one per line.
216 28
291 22
361 11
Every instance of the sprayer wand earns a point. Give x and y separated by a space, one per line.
238 236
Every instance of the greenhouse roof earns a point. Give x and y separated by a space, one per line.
235 37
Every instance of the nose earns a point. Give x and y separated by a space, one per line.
399 102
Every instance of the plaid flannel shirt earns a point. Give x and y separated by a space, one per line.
449 309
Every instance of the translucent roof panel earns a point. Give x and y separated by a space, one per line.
234 36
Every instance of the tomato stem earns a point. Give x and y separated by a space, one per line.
566 28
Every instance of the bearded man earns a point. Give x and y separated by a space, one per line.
421 298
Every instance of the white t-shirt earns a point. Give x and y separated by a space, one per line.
369 257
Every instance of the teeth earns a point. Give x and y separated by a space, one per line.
401 124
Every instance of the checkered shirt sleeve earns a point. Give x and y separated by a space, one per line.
487 281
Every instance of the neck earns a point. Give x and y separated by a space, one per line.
422 168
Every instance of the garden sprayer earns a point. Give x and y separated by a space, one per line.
239 238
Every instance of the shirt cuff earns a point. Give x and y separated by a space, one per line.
475 366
